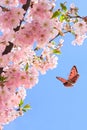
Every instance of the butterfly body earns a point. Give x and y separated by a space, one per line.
73 76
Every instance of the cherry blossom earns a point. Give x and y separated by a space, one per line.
9 3
27 47
79 40
80 28
11 18
23 1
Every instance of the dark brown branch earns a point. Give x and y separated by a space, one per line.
1 70
4 9
59 34
25 7
54 37
8 48
77 16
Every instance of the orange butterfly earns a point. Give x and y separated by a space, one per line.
73 76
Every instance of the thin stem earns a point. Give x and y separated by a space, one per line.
75 16
58 35
54 37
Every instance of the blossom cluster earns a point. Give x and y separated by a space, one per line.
27 31
22 64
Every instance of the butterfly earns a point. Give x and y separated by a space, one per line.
73 76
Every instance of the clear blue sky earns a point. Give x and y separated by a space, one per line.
55 107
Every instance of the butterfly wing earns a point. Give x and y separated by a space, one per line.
68 84
65 82
61 79
74 79
73 76
73 72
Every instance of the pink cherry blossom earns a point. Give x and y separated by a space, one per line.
80 28
26 39
79 40
41 10
11 18
23 1
4 60
9 3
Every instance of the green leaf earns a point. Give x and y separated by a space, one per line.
26 67
26 107
2 78
21 103
67 19
24 110
62 18
63 6
53 42
56 51
56 14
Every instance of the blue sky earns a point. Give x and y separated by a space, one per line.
55 107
